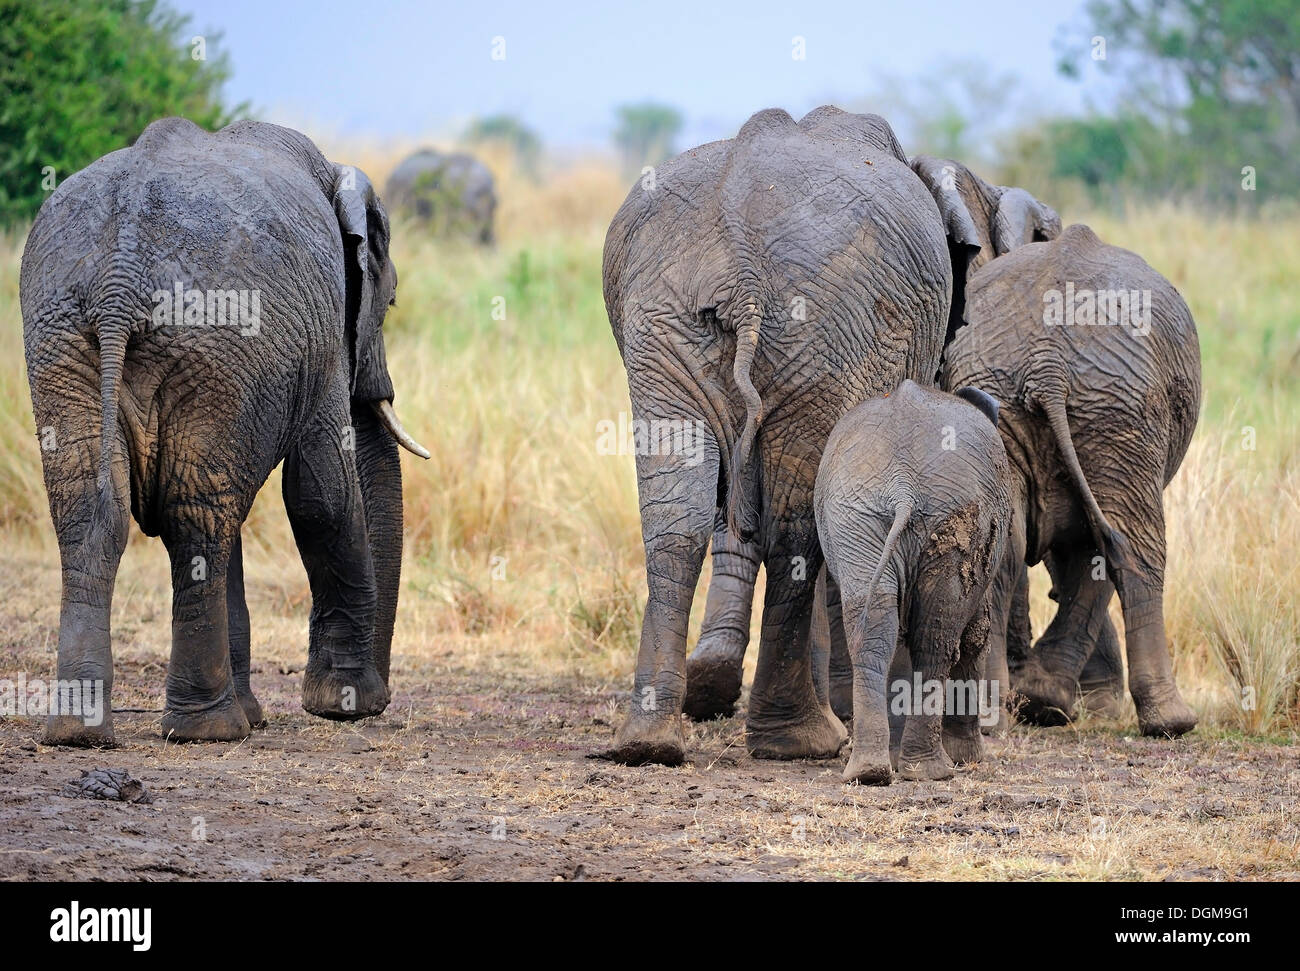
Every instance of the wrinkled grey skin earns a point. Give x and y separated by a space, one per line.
983 221
912 506
453 193
702 269
179 424
1096 420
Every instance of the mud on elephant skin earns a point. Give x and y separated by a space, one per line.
757 289
197 309
1096 360
912 507
982 221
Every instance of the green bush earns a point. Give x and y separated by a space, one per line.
79 80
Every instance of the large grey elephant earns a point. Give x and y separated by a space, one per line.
452 193
196 309
758 288
983 221
913 505
1096 361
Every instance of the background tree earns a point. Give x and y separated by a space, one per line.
78 80
511 132
646 132
1216 81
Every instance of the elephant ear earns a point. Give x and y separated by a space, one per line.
1021 219
964 244
365 252
984 402
941 178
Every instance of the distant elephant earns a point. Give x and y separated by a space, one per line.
913 505
983 221
758 288
1096 361
196 309
452 193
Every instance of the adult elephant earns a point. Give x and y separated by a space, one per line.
758 288
452 193
196 309
984 221
1096 361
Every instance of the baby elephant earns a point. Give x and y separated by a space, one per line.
912 509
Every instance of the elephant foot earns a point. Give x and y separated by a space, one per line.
818 735
1162 712
252 707
1044 698
963 748
868 769
223 722
343 694
929 768
643 740
72 730
712 685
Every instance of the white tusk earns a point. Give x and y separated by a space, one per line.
384 409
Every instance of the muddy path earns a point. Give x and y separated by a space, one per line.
470 777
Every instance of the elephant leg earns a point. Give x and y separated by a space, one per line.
715 667
830 639
238 625
1049 678
1020 635
940 614
92 533
973 701
202 704
678 507
1008 596
1161 709
322 496
1101 683
873 628
786 719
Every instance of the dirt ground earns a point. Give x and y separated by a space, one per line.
481 774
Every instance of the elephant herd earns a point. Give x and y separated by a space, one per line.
914 383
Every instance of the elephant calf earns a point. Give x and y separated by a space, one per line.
912 503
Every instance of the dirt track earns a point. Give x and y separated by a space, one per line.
487 778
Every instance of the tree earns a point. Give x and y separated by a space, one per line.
1219 78
645 133
509 131
80 80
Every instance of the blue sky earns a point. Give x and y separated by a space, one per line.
410 68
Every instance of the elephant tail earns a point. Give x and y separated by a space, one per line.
744 497
1109 540
113 338
903 507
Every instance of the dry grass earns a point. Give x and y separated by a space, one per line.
523 544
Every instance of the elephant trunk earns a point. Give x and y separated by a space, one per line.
380 473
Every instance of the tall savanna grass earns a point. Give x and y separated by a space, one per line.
523 543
